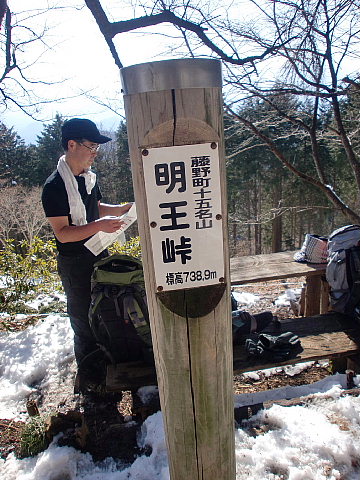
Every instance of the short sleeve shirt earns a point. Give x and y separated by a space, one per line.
55 203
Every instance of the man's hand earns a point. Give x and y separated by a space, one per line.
109 224
72 233
118 210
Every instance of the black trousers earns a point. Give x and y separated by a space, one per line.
75 273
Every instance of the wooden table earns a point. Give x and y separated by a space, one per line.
275 266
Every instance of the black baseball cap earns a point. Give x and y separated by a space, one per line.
82 128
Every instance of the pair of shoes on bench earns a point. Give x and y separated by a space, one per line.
274 347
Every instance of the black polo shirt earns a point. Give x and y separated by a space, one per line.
55 202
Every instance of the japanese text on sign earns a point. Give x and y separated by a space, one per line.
184 205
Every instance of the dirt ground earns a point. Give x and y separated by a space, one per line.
107 425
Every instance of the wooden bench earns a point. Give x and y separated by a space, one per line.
323 335
326 336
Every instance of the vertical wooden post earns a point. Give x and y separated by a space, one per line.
325 295
312 295
177 103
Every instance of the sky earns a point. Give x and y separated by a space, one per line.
314 441
74 58
79 61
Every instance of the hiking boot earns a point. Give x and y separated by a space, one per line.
89 383
91 374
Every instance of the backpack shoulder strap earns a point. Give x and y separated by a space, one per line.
94 305
136 311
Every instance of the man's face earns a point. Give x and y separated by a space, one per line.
85 153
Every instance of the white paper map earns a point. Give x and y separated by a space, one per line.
101 240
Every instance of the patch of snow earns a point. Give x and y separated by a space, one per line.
245 298
314 442
252 375
288 369
289 294
317 441
43 300
301 443
288 392
30 358
147 393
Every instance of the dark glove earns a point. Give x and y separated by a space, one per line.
285 340
272 347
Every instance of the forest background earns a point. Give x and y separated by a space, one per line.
270 209
291 117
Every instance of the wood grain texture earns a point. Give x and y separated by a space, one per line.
193 355
313 295
329 335
325 295
277 266
260 268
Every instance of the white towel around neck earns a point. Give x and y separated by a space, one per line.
77 207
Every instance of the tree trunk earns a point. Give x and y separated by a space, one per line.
277 221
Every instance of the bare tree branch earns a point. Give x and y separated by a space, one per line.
17 38
309 41
105 27
110 29
3 7
326 189
352 82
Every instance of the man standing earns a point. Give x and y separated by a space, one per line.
72 202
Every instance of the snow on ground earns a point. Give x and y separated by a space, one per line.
284 300
245 298
290 370
317 441
45 300
303 443
34 356
290 294
322 386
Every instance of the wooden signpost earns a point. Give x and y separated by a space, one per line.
175 129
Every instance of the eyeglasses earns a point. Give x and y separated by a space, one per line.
93 148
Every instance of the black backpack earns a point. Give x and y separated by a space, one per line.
118 314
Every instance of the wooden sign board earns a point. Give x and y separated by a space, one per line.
182 185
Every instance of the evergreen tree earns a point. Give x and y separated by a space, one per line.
270 209
16 159
113 168
124 165
48 150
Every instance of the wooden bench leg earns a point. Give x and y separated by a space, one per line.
338 365
325 292
353 363
316 295
245 412
312 295
302 300
240 414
